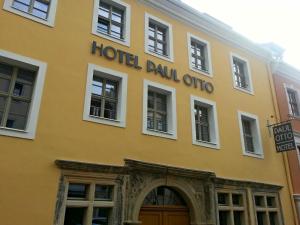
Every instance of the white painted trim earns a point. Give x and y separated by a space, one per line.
127 10
213 122
207 55
170 51
292 88
122 95
40 67
247 70
171 110
51 15
255 132
297 142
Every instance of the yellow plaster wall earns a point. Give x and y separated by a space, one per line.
29 178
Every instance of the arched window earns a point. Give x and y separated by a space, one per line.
162 196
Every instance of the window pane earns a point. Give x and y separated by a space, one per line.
161 122
161 33
104 9
6 69
150 101
74 216
97 86
103 192
238 217
151 32
42 6
223 199
2 105
21 6
117 15
95 109
77 191
111 89
224 218
150 120
24 84
116 31
273 218
110 110
259 200
261 218
271 201
101 216
103 26
39 13
237 199
4 84
151 45
17 116
161 102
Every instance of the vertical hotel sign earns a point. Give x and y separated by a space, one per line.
284 137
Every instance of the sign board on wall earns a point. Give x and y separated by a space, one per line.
284 137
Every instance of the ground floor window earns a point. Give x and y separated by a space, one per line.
231 207
89 203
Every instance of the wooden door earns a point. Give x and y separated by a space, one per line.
164 216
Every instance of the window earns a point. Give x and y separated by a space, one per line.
106 94
204 122
159 110
241 74
250 135
231 207
89 203
112 20
42 11
158 38
267 209
293 102
199 55
21 85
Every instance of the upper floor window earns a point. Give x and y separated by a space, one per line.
112 20
241 74
250 135
42 11
159 110
21 85
158 38
204 122
199 55
106 94
293 102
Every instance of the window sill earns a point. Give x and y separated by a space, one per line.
162 134
124 41
46 22
254 155
212 145
165 57
202 72
244 90
11 132
102 120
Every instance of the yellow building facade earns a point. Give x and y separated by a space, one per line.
129 112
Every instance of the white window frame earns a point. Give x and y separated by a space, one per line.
247 70
40 68
127 21
297 142
255 130
292 88
213 122
122 95
171 110
51 15
206 44
169 34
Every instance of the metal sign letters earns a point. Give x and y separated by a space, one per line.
284 137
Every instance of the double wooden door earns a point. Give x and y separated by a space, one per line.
155 215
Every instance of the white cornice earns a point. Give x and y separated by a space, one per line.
201 21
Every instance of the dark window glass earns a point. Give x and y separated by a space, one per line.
74 216
163 196
157 111
224 218
157 39
103 192
240 73
202 123
199 57
5 77
259 201
271 202
223 198
238 217
77 191
17 115
101 216
237 199
273 218
24 84
261 218
248 138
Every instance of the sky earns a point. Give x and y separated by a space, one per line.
261 21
